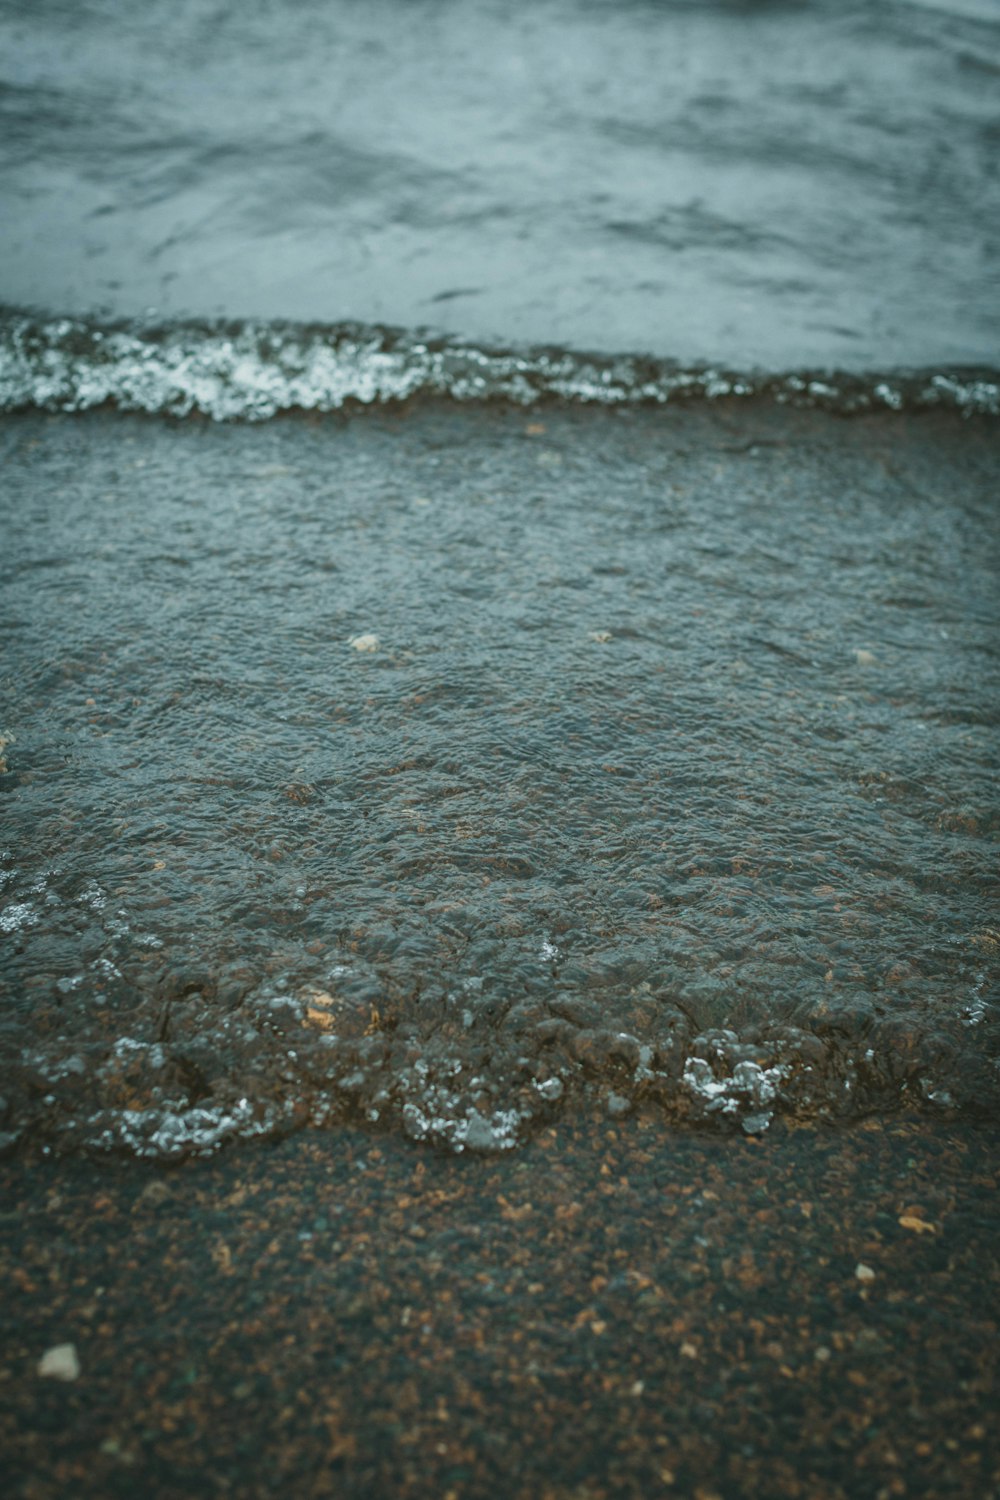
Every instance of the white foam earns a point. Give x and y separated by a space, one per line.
18 915
748 1092
252 371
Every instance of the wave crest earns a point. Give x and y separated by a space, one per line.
251 371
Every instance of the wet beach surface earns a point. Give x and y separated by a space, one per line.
641 872
612 1311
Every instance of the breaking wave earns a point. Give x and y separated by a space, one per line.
249 371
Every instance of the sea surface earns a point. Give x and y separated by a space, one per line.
765 183
499 588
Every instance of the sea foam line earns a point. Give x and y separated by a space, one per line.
251 371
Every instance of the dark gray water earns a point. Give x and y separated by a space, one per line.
435 765
766 185
433 769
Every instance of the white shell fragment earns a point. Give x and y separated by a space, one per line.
60 1363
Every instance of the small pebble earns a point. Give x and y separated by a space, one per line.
60 1363
864 1273
155 1192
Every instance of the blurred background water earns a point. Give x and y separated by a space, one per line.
766 183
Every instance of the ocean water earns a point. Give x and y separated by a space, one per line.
499 575
762 183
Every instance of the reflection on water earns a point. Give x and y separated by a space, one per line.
431 768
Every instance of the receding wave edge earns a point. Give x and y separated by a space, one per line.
249 371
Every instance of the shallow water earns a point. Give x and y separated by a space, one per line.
433 768
769 185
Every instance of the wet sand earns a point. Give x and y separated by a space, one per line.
611 1311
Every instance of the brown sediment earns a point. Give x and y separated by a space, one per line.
613 1310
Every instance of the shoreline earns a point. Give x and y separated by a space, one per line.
247 370
617 1307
